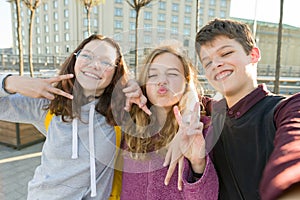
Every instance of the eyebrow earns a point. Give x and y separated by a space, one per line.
169 69
221 48
102 56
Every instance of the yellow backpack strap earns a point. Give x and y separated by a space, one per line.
48 119
117 182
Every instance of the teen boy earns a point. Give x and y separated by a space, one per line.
257 153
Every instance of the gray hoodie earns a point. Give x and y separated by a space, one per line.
77 157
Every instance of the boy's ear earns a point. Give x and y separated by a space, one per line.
255 55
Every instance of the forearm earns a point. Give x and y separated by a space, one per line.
283 167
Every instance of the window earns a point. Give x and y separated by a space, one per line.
223 3
162 5
118 12
147 39
174 30
55 26
46 18
132 13
66 13
175 6
174 19
118 37
95 23
55 15
161 17
187 20
46 28
47 39
160 29
188 9
212 2
37 19
38 40
67 25
222 14
131 38
132 26
118 1
66 2
118 24
45 7
147 15
147 27
56 38
55 4
38 31
186 31
211 12
201 12
67 37
56 49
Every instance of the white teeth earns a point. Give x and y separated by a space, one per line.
223 75
91 75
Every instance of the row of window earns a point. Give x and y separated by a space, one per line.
162 5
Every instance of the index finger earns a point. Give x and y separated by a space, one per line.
196 113
177 115
60 78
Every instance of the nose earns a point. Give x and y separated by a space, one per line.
162 80
96 64
216 63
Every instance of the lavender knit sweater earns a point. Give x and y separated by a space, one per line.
144 180
150 186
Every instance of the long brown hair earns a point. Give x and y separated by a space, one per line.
63 106
142 132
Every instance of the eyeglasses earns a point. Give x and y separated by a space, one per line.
89 57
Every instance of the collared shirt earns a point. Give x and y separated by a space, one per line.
283 167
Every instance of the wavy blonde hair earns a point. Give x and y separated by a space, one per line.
142 132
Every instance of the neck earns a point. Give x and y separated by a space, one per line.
233 98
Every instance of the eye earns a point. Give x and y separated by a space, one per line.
152 76
172 74
107 64
206 65
86 56
227 53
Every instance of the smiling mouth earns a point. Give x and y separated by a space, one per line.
91 75
223 75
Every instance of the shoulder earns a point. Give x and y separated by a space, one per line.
289 104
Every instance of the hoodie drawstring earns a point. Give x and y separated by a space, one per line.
91 147
74 139
92 151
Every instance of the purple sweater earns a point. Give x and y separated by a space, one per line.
149 183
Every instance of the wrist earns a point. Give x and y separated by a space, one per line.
198 167
6 87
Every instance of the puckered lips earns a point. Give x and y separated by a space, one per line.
162 90
223 75
92 75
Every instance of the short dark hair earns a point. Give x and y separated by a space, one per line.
225 27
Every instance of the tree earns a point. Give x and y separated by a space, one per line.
279 36
20 38
137 5
32 5
88 5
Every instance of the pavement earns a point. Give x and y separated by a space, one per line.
16 169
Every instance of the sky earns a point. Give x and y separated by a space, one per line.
267 10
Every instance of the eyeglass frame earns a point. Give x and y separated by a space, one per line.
108 66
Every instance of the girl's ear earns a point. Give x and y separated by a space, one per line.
255 55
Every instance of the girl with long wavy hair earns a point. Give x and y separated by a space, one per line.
78 154
168 81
